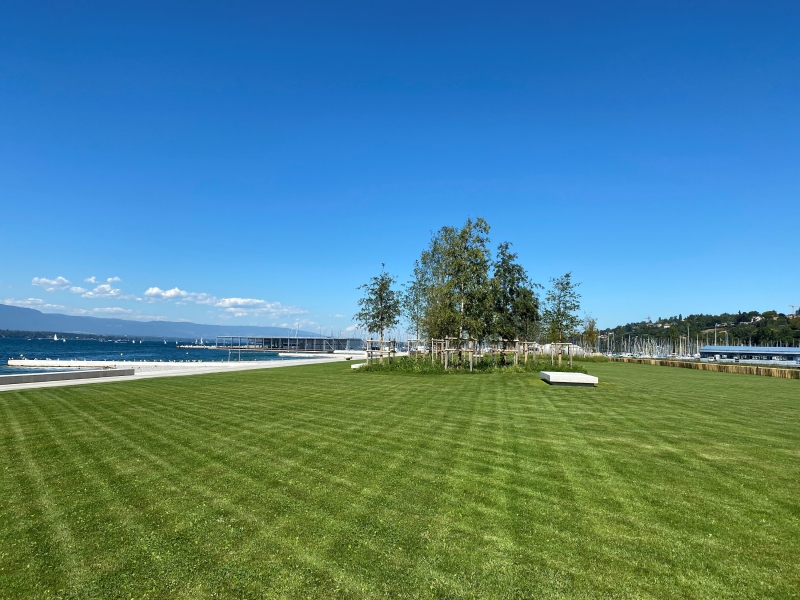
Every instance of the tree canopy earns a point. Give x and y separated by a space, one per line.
455 267
380 305
561 304
515 306
460 289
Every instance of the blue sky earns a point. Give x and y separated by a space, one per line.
253 163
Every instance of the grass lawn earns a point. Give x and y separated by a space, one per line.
322 482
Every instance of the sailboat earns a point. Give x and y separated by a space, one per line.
55 337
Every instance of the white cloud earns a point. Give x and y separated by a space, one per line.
91 279
252 307
351 328
115 310
105 290
156 293
51 285
233 307
78 290
307 324
113 279
37 303
242 303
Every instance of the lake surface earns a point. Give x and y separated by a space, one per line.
112 350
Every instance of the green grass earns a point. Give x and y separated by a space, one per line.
321 482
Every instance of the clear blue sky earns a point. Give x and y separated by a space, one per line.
265 159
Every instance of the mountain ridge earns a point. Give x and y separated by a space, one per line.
29 319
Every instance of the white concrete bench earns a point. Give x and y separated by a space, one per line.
558 378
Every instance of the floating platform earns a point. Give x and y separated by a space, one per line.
576 379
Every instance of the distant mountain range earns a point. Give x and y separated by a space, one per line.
28 319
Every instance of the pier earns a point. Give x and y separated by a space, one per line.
287 344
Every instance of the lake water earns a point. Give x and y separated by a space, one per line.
112 350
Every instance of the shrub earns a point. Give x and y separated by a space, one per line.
592 359
424 366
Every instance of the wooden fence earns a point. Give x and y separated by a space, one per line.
722 368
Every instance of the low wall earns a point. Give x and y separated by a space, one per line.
63 376
722 368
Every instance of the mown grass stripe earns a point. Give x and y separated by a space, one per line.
318 481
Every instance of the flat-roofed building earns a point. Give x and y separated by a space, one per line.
287 344
750 352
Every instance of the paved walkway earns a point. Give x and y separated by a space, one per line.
177 370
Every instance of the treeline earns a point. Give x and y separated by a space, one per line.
769 328
14 333
461 289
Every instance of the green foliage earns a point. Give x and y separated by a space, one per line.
561 303
514 302
489 364
769 328
405 364
413 301
591 359
455 267
459 291
380 305
590 334
423 365
16 333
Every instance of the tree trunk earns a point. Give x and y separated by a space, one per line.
460 333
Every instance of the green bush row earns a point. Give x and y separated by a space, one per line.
424 366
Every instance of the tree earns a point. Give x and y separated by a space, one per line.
515 306
380 306
456 267
590 334
413 300
561 304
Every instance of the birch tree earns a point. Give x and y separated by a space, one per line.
413 300
456 264
561 303
380 305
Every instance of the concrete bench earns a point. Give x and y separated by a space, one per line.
558 378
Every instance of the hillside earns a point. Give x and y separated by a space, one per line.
769 328
27 319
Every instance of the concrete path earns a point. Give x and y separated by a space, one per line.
146 370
